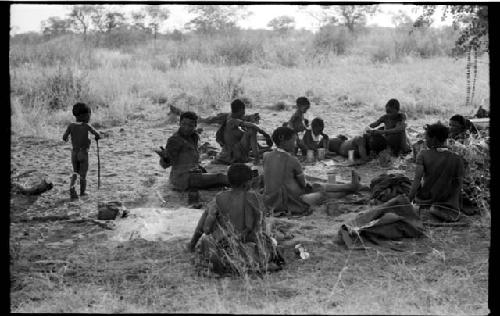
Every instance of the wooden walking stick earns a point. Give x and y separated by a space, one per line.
98 166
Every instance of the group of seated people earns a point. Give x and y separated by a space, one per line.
285 189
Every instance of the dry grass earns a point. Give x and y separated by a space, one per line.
142 276
121 84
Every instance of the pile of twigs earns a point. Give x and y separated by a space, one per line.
476 153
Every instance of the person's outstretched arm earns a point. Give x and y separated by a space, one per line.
94 132
66 133
400 127
377 122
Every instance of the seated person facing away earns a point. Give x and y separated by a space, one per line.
363 146
284 180
442 171
233 223
298 123
461 128
315 138
394 129
182 152
239 137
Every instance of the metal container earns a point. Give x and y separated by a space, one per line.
350 154
321 153
310 155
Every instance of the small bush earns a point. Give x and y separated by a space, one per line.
237 51
332 38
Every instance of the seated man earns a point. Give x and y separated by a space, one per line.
315 138
238 137
182 153
394 129
363 146
461 128
233 224
442 172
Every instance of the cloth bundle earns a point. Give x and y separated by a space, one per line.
392 220
386 186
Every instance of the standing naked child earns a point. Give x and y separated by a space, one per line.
443 172
315 138
394 129
80 142
182 153
299 124
239 137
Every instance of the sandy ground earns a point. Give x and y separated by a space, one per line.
130 173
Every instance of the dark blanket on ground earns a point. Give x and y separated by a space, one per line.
392 220
387 186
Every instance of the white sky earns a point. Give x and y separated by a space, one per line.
28 17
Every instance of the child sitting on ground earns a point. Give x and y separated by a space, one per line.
239 137
80 142
394 129
298 123
315 138
443 172
235 218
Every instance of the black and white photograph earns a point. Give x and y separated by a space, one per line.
256 158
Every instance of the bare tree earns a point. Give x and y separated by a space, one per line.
157 16
81 17
323 14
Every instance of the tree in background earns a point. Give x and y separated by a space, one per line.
282 24
210 19
55 26
157 15
347 15
113 20
139 20
472 22
401 20
81 17
355 15
323 14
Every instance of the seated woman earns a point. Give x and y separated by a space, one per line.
442 172
461 128
363 146
232 229
284 180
